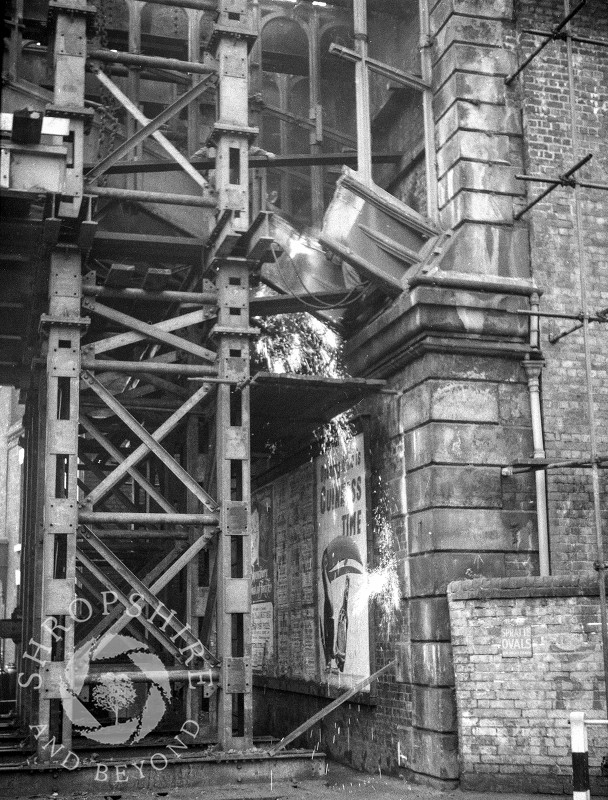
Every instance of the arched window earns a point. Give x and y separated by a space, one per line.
284 47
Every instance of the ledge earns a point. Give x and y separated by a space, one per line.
585 585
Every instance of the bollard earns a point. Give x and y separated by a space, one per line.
580 756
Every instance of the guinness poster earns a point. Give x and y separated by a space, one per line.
341 515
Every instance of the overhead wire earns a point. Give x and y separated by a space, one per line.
319 305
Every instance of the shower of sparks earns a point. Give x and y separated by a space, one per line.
337 438
382 585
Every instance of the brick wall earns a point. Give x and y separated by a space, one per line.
513 709
543 91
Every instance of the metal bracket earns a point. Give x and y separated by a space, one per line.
392 73
69 322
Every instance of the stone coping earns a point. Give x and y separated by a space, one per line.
584 585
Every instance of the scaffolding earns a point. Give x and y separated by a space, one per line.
136 501
136 532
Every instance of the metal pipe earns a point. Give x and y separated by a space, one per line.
583 39
260 162
364 130
551 37
138 196
137 60
430 147
556 181
557 315
484 284
145 518
194 677
582 262
158 368
164 296
197 5
562 180
127 533
533 370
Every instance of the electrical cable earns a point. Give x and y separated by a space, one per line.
319 305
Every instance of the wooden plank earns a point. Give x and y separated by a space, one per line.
328 709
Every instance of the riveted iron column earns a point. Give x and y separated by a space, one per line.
233 36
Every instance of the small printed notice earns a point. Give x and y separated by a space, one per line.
516 641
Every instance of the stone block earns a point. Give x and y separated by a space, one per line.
431 664
463 367
476 116
463 401
471 30
442 11
434 708
464 86
478 145
433 754
463 487
489 250
429 619
476 176
460 401
432 572
471 58
472 529
477 207
465 443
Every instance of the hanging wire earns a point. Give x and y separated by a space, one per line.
319 305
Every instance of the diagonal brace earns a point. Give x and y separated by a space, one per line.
148 331
94 433
328 709
106 621
93 467
554 34
150 443
379 67
143 120
147 594
165 641
173 324
565 179
163 579
147 130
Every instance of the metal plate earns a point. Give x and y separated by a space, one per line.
238 675
236 518
238 598
58 596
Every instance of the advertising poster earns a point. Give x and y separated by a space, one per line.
262 583
342 565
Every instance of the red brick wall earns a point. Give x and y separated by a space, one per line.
555 258
513 710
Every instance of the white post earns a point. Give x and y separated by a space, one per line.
580 756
